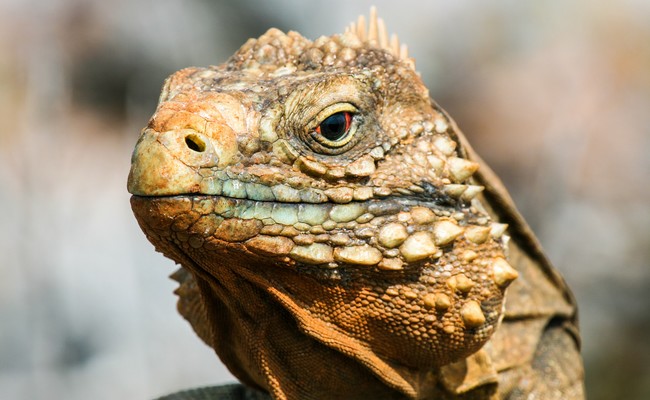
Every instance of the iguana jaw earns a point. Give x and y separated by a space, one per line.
451 274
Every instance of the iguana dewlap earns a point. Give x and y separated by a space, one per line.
339 238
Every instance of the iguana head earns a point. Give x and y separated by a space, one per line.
322 175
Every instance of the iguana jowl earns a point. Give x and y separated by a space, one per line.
338 236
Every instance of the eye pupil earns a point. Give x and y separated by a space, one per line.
336 126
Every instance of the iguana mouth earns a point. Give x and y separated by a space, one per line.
389 234
317 213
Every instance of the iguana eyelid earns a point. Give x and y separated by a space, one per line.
333 109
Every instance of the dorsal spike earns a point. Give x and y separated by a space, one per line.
394 45
376 35
383 34
361 28
404 52
373 34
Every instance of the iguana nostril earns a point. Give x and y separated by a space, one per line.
195 143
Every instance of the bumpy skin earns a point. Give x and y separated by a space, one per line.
374 265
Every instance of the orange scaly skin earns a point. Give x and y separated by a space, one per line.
339 238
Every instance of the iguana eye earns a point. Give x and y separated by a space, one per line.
336 126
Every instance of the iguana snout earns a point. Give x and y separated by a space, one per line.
188 138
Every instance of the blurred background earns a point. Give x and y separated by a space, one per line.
555 95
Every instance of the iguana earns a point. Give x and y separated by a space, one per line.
338 236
